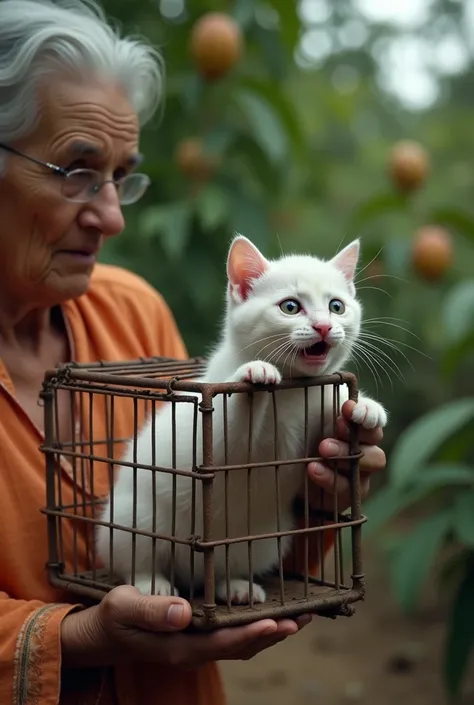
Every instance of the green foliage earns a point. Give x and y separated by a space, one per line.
460 640
458 311
443 492
419 442
463 523
413 559
431 465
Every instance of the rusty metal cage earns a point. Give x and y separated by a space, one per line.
90 413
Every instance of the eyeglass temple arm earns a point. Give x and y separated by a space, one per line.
57 169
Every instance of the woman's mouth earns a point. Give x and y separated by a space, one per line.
84 256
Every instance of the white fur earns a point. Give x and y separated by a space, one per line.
259 344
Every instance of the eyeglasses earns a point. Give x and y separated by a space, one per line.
83 185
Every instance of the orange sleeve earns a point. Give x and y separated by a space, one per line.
170 342
30 651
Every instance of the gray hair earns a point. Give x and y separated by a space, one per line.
41 36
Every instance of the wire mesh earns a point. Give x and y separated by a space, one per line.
231 484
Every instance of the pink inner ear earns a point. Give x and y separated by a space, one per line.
244 264
346 260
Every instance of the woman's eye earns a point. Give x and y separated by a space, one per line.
290 307
336 306
78 164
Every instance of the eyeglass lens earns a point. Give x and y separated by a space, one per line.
82 185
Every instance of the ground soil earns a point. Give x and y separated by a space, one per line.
376 657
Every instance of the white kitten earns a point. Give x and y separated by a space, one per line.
295 316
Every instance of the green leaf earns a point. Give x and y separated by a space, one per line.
170 223
457 447
376 206
212 206
243 11
460 638
255 159
464 519
440 475
424 437
274 54
250 218
190 91
397 256
456 219
451 572
454 354
210 273
264 124
217 141
385 504
289 21
412 562
389 501
391 542
282 106
458 311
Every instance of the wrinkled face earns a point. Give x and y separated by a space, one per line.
48 245
299 313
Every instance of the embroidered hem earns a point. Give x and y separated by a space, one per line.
30 655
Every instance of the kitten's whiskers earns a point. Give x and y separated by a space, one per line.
362 355
369 263
379 276
280 351
256 342
375 288
388 321
293 359
392 344
381 356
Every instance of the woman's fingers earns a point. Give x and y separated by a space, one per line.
331 482
372 436
372 460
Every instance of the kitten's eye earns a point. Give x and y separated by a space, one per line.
336 306
290 307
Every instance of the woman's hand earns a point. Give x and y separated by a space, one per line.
128 626
372 461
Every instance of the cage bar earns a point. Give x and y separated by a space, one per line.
80 472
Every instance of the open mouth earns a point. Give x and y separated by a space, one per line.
316 352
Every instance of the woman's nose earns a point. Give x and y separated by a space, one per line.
104 212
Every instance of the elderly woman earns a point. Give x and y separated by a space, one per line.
73 96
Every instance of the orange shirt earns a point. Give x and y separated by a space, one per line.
120 317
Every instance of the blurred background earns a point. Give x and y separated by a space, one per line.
304 124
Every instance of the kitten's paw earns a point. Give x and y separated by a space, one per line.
369 413
162 586
258 372
239 592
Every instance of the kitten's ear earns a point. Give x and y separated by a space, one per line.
245 262
346 261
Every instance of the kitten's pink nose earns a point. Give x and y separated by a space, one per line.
323 329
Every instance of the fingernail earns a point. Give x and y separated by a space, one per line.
318 469
304 620
333 448
175 615
270 630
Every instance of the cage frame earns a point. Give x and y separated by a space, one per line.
206 614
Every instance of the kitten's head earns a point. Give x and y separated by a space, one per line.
299 312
